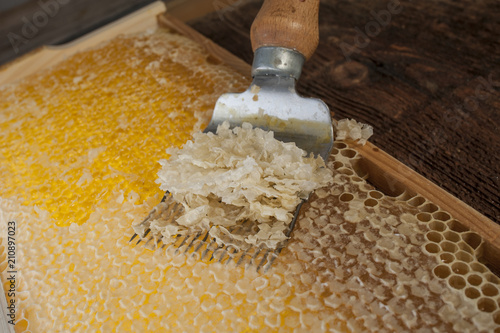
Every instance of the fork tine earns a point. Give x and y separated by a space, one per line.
242 258
252 260
140 240
270 261
167 193
216 249
133 237
208 249
231 255
190 245
261 259
295 216
261 263
273 257
203 241
223 255
149 240
182 243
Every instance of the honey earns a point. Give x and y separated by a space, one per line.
79 149
71 136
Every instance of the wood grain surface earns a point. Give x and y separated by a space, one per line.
425 74
34 23
49 22
289 24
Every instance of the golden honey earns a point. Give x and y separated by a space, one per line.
79 150
100 121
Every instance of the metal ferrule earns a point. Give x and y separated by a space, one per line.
280 61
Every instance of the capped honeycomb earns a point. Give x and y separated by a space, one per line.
358 260
72 135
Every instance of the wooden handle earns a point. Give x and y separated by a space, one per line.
287 23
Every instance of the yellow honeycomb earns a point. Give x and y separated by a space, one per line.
100 121
358 260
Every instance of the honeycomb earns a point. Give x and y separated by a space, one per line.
358 260
71 136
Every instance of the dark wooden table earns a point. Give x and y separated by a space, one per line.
425 74
36 23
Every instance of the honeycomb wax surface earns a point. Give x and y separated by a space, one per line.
358 260
100 121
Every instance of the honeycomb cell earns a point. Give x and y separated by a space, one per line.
424 217
486 304
376 194
457 282
446 257
429 208
489 289
456 226
22 325
346 197
337 165
496 317
346 171
474 279
451 236
442 271
460 268
370 202
492 278
432 248
464 247
448 246
356 179
472 292
478 267
437 226
416 201
464 256
350 153
472 239
406 196
434 236
340 145
441 216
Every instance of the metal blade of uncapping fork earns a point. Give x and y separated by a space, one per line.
272 104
